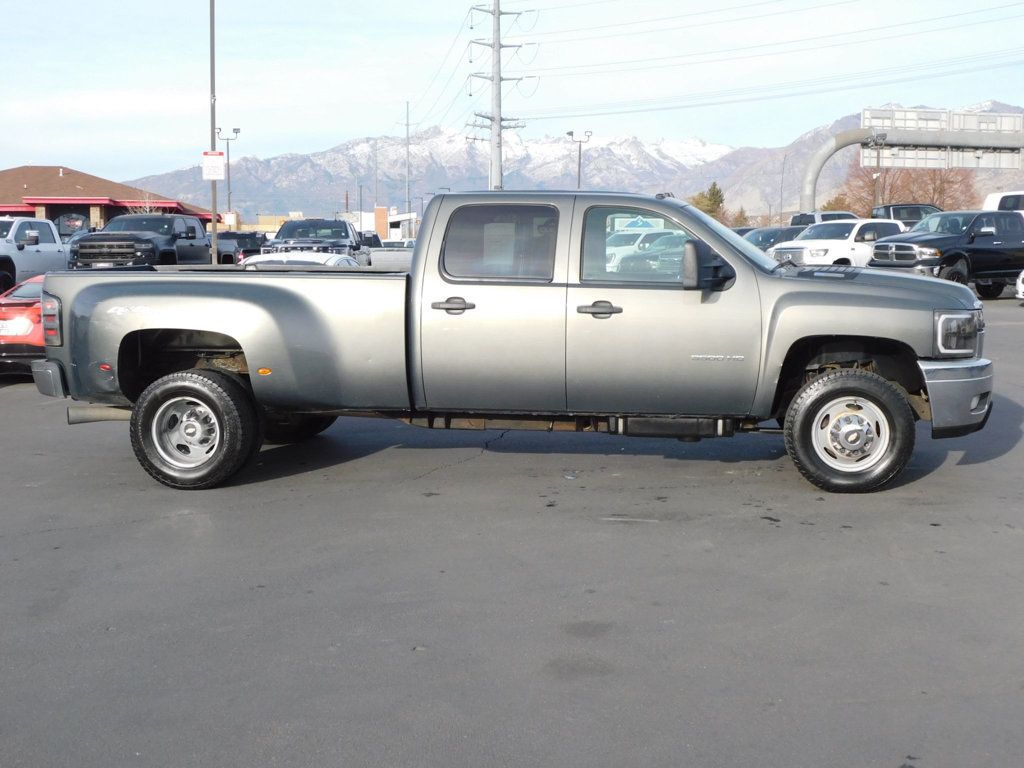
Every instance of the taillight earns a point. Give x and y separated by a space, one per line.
50 308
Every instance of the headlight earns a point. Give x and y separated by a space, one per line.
819 253
928 253
957 334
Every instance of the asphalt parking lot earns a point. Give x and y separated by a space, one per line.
387 596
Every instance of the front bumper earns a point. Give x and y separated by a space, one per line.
960 392
924 267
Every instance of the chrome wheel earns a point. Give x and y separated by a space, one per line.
850 434
186 433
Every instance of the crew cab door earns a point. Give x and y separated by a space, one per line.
492 308
999 254
636 342
189 250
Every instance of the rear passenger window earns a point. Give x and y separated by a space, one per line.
1009 224
1010 203
512 242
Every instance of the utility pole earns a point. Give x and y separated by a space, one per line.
227 145
408 199
213 134
495 122
782 180
579 152
376 177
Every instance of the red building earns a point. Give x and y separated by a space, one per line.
74 200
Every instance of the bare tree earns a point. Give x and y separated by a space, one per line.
948 188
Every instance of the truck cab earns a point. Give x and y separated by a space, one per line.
28 247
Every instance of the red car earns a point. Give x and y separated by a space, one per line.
21 329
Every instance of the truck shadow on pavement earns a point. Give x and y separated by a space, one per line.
353 439
10 378
1000 436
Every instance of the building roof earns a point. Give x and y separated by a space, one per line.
30 185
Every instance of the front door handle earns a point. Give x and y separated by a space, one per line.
599 309
453 305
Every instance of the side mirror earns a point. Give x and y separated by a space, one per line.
869 237
356 246
31 238
691 267
986 232
190 233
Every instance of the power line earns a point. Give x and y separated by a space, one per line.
780 43
619 35
660 62
444 60
801 88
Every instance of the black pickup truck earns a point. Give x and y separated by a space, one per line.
981 247
143 239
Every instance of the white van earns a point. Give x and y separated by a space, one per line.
1004 201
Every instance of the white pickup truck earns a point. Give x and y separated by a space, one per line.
28 247
847 243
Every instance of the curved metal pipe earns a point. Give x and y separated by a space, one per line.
87 414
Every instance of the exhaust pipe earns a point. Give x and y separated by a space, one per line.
87 414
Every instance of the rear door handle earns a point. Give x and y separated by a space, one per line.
599 309
453 305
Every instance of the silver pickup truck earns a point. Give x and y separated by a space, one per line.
511 318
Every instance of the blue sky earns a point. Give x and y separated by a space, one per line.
122 90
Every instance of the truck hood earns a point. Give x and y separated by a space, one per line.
931 239
812 244
106 237
896 286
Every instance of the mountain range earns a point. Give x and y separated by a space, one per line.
754 178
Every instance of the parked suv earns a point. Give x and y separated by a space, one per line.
981 247
816 217
908 213
28 247
836 242
146 238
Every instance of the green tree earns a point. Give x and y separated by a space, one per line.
711 200
741 219
839 202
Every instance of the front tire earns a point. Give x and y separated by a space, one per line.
850 431
194 429
956 273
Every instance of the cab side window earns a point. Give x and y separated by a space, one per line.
45 233
21 233
1010 225
500 242
179 226
655 257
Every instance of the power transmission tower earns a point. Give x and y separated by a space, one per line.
495 122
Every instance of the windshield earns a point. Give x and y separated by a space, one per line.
762 238
5 227
622 238
751 252
327 230
139 224
833 230
944 223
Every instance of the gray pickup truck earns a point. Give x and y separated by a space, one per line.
511 318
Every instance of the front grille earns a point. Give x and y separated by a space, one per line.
792 254
107 251
895 252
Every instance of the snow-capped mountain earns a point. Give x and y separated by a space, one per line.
757 179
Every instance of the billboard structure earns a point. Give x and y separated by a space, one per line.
939 132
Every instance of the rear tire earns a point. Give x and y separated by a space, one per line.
6 281
294 428
850 431
990 291
194 429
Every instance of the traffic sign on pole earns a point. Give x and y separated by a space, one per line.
213 166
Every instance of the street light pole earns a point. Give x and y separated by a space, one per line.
227 145
876 141
213 132
579 152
